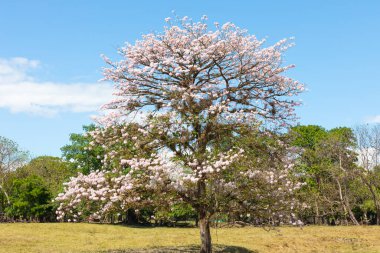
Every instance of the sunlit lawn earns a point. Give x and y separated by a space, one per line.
63 237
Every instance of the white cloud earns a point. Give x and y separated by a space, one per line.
20 92
373 119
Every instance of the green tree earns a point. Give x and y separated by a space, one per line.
337 152
78 153
307 138
11 158
368 146
327 162
30 199
53 170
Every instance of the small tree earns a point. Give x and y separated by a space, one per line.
79 155
31 200
11 157
337 156
327 163
368 145
198 89
53 170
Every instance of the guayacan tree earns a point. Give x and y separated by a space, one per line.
196 92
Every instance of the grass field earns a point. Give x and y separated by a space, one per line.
63 237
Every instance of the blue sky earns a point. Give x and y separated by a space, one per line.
50 57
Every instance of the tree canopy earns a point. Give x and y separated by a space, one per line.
197 88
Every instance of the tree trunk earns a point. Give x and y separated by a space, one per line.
317 218
5 194
204 220
204 225
345 205
374 198
131 217
351 214
377 214
365 219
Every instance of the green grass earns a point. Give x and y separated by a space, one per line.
64 237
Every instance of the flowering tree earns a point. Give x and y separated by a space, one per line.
201 93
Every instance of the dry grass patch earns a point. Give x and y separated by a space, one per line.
64 237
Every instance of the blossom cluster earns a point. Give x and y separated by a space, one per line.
99 190
225 73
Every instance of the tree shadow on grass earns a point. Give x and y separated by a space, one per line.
186 249
146 226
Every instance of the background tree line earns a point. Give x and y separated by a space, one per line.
340 168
